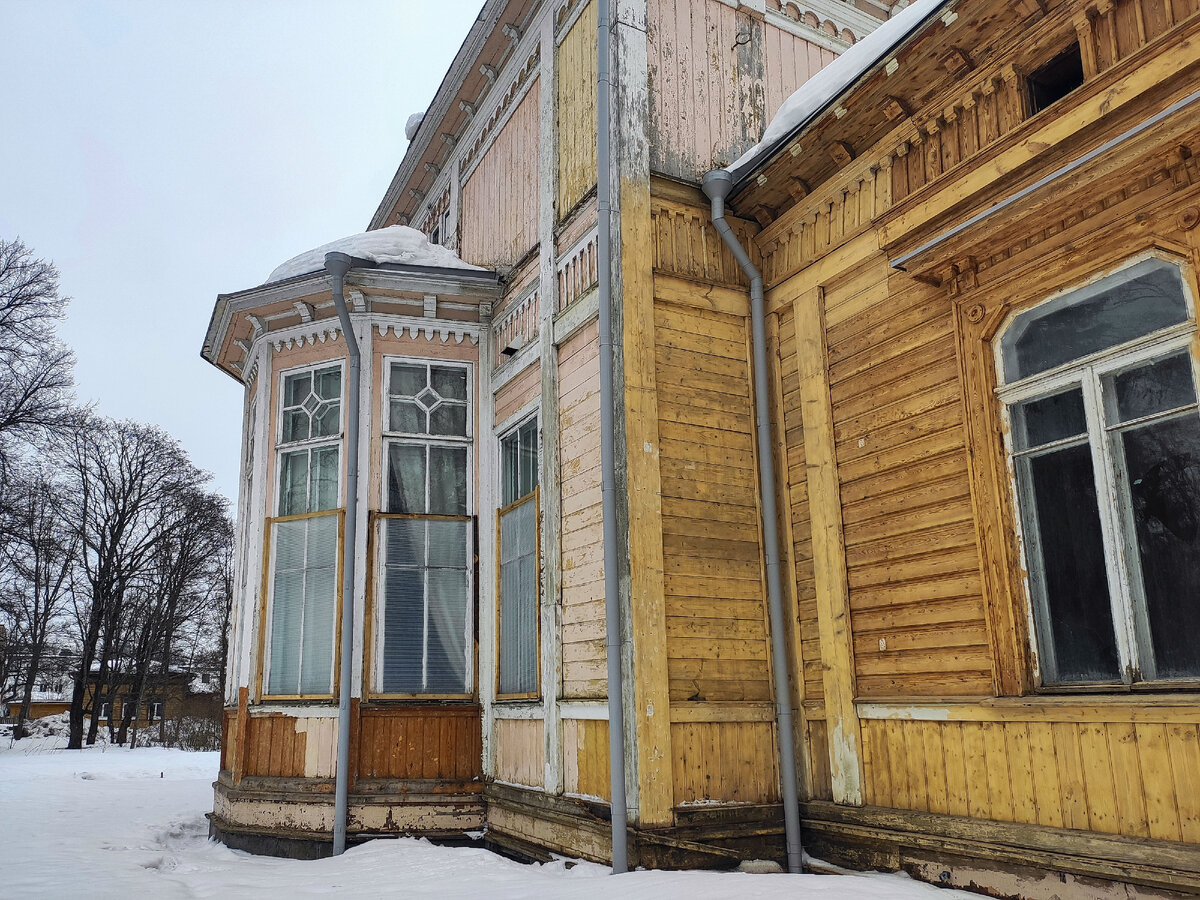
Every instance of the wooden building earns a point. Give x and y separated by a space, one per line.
979 252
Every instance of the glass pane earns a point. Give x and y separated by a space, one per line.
296 388
1070 574
403 662
449 418
327 420
293 483
1163 462
324 479
405 540
518 600
1118 309
446 660
451 384
529 461
329 383
448 481
1048 419
407 380
509 469
320 604
295 425
407 418
287 602
448 544
406 478
1163 385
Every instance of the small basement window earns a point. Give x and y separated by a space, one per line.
1055 79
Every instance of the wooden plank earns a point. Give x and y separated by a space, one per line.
975 758
935 767
829 552
1183 747
1130 792
1046 787
1098 777
1020 768
1162 807
957 793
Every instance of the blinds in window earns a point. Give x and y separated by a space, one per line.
518 599
303 606
425 606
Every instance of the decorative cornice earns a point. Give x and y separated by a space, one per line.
445 329
500 113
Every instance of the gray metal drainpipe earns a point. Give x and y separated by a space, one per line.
337 264
608 482
716 186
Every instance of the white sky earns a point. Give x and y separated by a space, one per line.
161 153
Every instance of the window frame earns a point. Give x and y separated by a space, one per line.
1130 620
374 625
267 592
533 496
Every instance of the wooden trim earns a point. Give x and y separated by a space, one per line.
535 496
710 711
829 551
1133 709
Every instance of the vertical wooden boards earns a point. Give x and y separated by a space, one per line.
520 752
585 758
706 85
790 61
499 199
575 83
1117 770
829 552
717 647
518 393
422 742
645 521
733 762
582 578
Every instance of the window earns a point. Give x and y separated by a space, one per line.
519 563
154 712
1100 392
423 612
1057 78
105 710
304 539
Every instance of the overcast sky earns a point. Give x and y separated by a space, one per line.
162 152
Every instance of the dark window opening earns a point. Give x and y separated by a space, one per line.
1055 79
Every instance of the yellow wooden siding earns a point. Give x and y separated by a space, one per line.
585 758
499 200
820 776
1107 773
716 634
801 528
729 761
575 82
789 62
582 572
520 751
911 557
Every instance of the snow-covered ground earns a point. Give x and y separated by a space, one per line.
109 822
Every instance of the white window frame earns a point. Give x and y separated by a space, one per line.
281 448
1122 560
390 437
534 496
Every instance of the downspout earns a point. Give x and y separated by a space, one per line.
337 264
716 186
608 479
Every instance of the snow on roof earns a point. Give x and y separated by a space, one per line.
823 88
394 244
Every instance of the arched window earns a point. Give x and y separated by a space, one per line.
1099 387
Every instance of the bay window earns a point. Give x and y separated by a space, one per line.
304 535
1100 389
519 562
423 612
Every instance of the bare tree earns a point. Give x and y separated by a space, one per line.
38 557
127 483
35 368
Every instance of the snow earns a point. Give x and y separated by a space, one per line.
112 823
820 90
413 123
394 244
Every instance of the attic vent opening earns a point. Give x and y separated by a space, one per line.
1055 79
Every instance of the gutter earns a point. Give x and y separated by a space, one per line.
338 264
608 481
716 186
